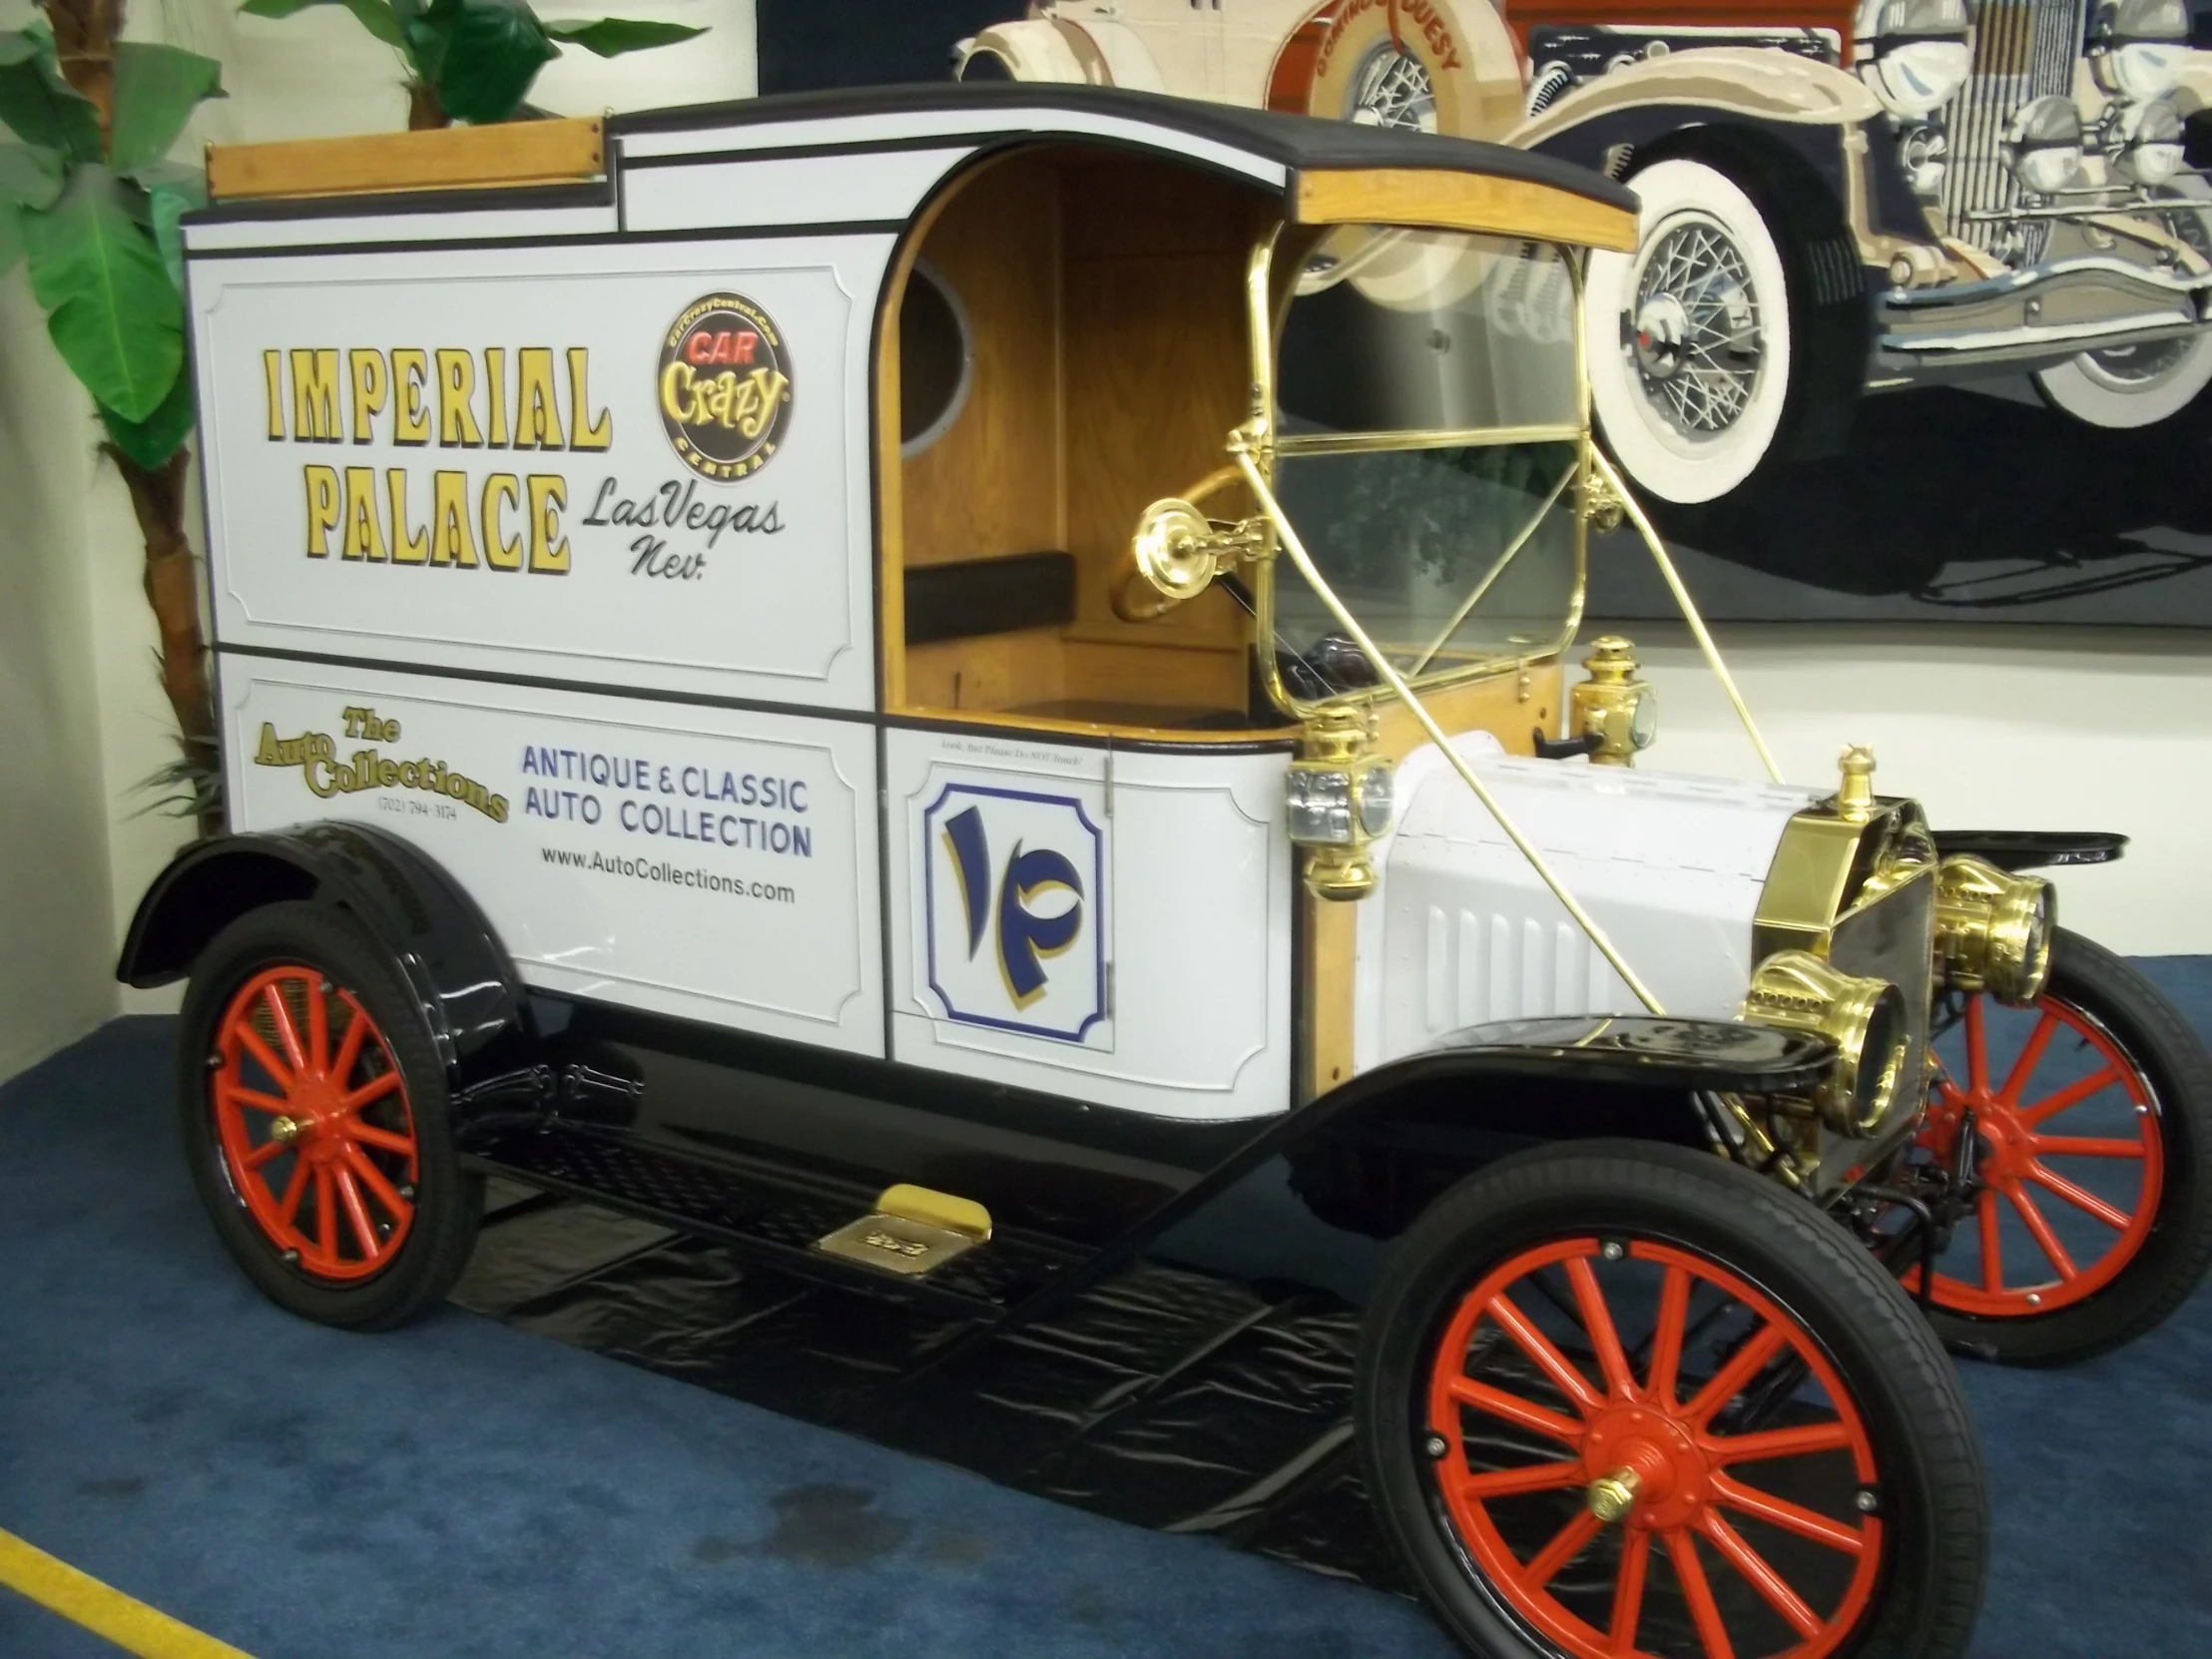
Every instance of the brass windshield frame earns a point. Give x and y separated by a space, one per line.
1264 309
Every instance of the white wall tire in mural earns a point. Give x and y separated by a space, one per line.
1375 74
2138 386
1689 337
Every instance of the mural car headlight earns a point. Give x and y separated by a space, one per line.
2139 48
1994 930
1920 54
1925 152
2043 145
1864 1018
2150 138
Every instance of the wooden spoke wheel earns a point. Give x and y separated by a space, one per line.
1642 1448
2089 1118
1624 1400
312 1115
313 1111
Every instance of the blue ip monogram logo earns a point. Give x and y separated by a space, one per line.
1014 895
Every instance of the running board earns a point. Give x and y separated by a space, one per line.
913 1232
795 1220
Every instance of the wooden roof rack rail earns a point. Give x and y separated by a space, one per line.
510 155
1459 202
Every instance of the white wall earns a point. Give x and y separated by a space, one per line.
1990 728
56 925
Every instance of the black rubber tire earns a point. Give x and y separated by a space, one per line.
448 1202
2173 1259
1933 1492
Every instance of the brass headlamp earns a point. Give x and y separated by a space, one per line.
1992 929
1613 707
1338 798
1864 1018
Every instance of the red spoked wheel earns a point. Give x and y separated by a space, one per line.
1641 1464
312 1116
2081 1125
1620 1399
2060 1116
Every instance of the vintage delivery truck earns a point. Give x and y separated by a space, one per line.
919 681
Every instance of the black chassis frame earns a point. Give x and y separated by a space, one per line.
767 1144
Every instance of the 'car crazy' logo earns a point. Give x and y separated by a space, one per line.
1011 891
725 387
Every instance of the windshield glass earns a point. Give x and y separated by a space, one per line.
1429 443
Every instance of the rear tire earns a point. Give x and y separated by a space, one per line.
2140 1149
1482 1441
315 1121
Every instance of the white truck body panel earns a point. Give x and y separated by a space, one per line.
450 600
708 863
726 620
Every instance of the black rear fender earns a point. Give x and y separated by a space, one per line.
470 994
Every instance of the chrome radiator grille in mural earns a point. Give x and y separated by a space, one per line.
2023 50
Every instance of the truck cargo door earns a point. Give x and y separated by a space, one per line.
1107 922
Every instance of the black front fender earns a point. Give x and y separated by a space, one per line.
2018 850
1637 1051
440 941
1509 1084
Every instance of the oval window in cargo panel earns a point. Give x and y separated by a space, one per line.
936 360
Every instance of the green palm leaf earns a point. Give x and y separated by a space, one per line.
110 306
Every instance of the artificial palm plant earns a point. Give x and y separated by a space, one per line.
90 202
474 60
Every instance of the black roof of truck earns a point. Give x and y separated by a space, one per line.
1298 142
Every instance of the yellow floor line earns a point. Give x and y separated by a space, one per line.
83 1599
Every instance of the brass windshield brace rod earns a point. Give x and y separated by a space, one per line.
1241 446
1689 610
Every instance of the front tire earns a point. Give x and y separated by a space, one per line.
315 1122
1622 1398
1689 337
2091 1113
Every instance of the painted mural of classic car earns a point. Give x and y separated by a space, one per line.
1839 198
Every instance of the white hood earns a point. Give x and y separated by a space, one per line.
1460 930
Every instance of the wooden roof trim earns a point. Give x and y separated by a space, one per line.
1459 202
509 155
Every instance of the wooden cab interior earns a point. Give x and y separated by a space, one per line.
1063 342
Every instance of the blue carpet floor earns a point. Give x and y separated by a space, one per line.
464 1489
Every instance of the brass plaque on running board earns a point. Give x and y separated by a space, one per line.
895 1243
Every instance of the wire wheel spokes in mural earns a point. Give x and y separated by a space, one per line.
1690 337
1696 328
1639 1417
2084 1222
1391 88
312 1114
2148 382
